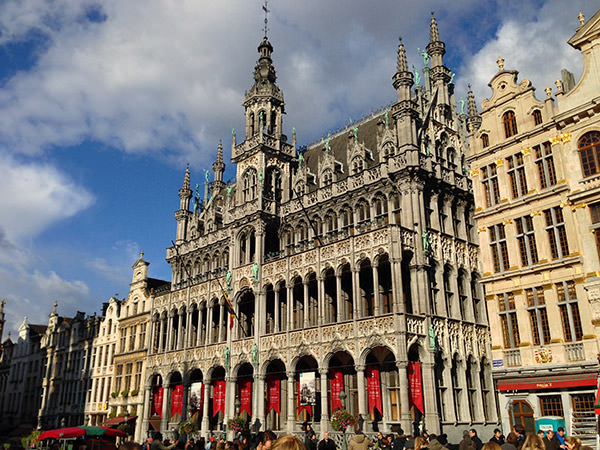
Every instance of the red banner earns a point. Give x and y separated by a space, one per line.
157 401
336 384
245 395
415 385
218 397
273 394
177 400
374 389
301 407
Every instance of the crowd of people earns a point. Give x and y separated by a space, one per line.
517 439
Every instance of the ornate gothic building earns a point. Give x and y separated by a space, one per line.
351 265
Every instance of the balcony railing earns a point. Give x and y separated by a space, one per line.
512 358
575 352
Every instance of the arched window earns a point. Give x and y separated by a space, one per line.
300 188
327 177
249 187
510 123
485 140
589 151
251 123
357 165
537 116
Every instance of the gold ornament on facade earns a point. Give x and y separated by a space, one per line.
581 18
500 62
548 91
535 213
499 162
474 172
526 151
558 84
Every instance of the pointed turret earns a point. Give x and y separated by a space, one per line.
403 78
185 193
182 215
474 119
436 48
218 167
438 73
434 34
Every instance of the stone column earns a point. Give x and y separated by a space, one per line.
290 308
305 318
277 307
145 413
209 324
229 399
170 332
431 415
478 406
320 300
324 397
166 412
180 331
199 329
161 330
361 390
152 333
204 425
221 319
338 297
396 268
377 309
260 394
356 297
405 419
291 407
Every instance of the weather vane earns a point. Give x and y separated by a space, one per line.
266 10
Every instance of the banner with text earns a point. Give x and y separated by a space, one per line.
336 384
219 397
157 400
245 395
373 389
177 400
273 394
415 385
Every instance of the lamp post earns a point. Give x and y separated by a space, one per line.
343 396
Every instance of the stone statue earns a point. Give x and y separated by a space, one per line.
387 118
452 75
254 354
206 173
195 205
228 279
425 236
432 337
260 176
233 132
226 358
462 105
293 130
229 188
327 145
300 160
355 132
255 271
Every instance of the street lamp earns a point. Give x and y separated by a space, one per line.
343 396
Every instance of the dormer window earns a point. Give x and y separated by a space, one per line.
485 140
537 117
510 123
357 165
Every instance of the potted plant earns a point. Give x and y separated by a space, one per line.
124 394
134 392
188 427
342 419
114 394
237 424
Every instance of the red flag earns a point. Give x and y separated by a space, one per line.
374 388
273 394
245 395
219 397
336 384
415 385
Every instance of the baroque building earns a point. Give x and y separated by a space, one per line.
66 347
351 265
535 166
102 364
130 350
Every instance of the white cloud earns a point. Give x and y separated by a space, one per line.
118 268
35 196
535 46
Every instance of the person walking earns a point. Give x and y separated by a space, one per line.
360 442
475 438
498 437
400 440
533 442
466 443
326 443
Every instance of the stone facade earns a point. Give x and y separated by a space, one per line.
102 364
66 347
535 166
353 260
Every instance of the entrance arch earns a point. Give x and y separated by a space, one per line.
308 395
383 386
275 395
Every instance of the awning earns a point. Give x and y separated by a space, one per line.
549 382
117 420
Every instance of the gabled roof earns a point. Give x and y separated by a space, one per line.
587 32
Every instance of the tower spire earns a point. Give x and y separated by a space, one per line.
266 10
434 34
474 119
185 193
219 165
402 63
403 78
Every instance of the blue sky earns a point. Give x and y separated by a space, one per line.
102 104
